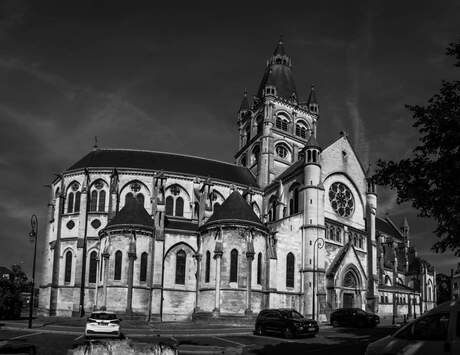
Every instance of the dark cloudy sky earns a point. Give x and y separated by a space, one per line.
167 76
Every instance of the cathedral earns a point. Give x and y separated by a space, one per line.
291 223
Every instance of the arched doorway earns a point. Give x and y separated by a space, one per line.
350 286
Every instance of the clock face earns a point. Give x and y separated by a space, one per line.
341 199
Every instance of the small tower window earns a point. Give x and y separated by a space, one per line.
118 260
68 267
180 207
234 265
70 203
259 269
255 155
244 160
180 267
290 270
248 131
143 271
169 206
207 272
92 267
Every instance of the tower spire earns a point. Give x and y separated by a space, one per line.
312 102
244 106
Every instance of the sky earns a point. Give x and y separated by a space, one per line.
169 76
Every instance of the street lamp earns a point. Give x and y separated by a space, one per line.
33 234
318 244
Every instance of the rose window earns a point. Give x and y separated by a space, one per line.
341 199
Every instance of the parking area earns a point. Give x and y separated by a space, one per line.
328 341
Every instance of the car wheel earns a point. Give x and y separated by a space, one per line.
288 333
260 330
335 323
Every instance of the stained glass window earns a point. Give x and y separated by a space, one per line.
341 199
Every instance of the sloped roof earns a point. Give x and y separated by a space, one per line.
132 213
177 224
280 76
244 102
312 142
385 226
312 97
234 210
168 162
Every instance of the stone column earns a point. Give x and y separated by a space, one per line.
105 257
197 256
250 258
131 258
218 257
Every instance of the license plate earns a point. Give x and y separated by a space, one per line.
311 328
104 323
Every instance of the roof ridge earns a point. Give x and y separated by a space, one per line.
178 154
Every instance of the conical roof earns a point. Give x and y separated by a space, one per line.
234 210
312 142
132 213
278 73
312 97
244 102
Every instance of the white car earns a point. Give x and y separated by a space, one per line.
435 332
103 324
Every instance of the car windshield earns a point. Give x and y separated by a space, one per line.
360 311
103 316
292 314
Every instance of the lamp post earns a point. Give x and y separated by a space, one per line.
33 234
318 244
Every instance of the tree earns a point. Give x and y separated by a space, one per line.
10 293
429 179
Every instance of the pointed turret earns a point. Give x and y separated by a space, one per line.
371 188
244 106
311 151
405 228
312 102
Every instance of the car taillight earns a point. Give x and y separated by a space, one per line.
90 320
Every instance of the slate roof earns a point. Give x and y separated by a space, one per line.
132 213
176 224
168 162
386 227
397 287
280 76
234 210
312 142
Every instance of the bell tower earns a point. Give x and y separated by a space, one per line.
276 125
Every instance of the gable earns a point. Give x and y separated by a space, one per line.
345 257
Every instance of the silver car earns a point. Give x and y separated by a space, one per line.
436 332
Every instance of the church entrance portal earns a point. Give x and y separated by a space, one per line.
348 300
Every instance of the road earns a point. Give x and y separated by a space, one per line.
329 341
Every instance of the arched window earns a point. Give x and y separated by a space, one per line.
294 199
180 267
259 269
282 151
92 267
255 155
207 271
282 123
143 273
70 202
140 199
290 269
77 201
234 265
301 130
118 259
256 209
93 201
350 280
68 266
196 209
387 280
101 207
180 207
169 206
128 196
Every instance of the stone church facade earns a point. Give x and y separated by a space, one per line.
290 224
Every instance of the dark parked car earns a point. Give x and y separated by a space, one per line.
353 317
16 346
287 322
